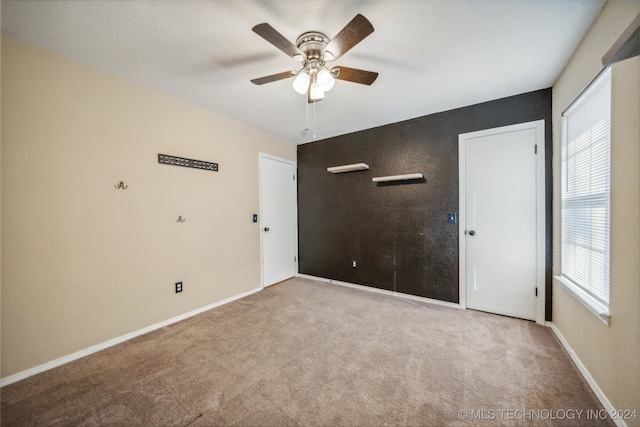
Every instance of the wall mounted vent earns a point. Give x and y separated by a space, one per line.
167 159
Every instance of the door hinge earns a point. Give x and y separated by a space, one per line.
295 259
294 177
535 150
536 291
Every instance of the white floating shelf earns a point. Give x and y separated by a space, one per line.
397 177
348 168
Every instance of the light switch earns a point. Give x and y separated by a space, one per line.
453 218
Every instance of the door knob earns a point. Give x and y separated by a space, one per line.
472 233
266 229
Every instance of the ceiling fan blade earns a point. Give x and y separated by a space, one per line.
272 78
270 34
354 75
352 34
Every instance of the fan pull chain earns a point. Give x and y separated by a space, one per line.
314 118
307 107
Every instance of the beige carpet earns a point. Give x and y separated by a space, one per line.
310 353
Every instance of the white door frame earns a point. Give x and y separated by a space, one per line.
295 208
540 209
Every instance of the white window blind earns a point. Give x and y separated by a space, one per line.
585 163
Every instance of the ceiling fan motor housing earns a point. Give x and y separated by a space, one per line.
312 44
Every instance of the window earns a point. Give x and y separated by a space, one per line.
585 180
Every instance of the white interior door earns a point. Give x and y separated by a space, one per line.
278 219
502 189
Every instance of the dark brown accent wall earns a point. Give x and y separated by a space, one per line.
398 233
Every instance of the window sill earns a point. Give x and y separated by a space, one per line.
595 306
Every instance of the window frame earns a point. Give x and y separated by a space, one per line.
597 307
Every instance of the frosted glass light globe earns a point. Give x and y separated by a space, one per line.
316 93
325 80
301 83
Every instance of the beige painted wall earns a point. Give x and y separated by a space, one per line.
0 201
82 262
611 354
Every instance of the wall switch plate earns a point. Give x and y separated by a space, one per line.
178 287
453 218
255 217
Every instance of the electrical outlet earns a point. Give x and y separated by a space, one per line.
354 263
178 287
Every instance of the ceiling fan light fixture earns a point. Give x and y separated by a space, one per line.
325 80
301 82
315 92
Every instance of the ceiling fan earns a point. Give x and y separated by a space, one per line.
314 49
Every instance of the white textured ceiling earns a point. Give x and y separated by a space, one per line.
431 56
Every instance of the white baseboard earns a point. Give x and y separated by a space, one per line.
587 376
95 348
381 291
